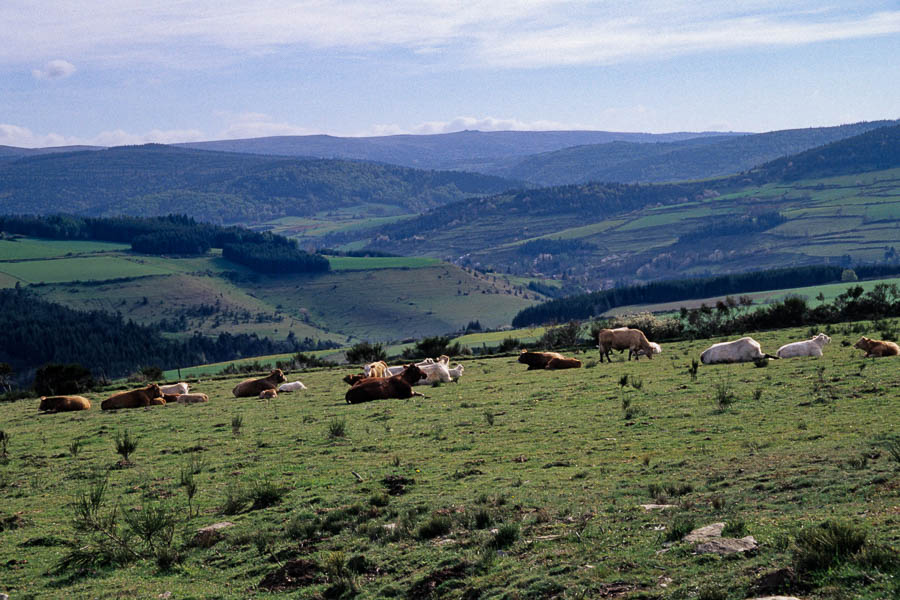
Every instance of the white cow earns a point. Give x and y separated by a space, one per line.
425 364
657 349
811 347
291 386
745 349
434 373
175 388
456 372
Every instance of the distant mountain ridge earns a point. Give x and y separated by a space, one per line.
436 151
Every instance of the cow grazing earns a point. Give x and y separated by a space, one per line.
375 369
147 396
811 347
64 403
291 386
396 386
537 360
175 389
250 388
875 348
191 398
623 338
268 394
745 349
563 363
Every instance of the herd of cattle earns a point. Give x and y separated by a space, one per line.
380 381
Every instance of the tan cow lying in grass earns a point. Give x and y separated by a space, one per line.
547 360
875 348
268 394
250 388
191 398
623 338
147 396
64 403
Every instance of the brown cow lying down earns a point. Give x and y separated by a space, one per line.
875 348
538 360
191 398
267 394
250 388
64 403
563 363
375 388
147 396
169 398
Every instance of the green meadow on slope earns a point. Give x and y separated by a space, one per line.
378 298
511 483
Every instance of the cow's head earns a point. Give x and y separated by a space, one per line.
154 391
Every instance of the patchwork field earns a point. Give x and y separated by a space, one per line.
510 484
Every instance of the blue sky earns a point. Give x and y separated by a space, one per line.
113 72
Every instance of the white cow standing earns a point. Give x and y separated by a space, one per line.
745 349
811 347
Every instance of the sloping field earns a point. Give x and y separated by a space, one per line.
508 484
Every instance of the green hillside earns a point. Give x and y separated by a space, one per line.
223 188
782 213
697 158
379 298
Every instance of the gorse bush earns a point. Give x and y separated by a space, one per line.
432 347
819 547
337 428
562 336
365 352
125 445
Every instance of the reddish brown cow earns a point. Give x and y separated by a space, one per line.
352 380
875 348
250 388
375 388
64 403
170 397
538 360
563 363
268 394
147 396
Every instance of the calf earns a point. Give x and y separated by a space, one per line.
875 348
191 398
268 394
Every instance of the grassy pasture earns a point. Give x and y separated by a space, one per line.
363 263
518 484
30 248
87 268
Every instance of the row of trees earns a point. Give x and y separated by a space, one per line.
175 234
586 306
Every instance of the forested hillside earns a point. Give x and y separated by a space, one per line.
697 158
220 187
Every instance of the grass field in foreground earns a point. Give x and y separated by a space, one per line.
516 484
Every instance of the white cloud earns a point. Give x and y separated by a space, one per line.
16 135
55 69
510 33
486 124
252 124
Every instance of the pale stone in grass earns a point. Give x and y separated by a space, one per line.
705 533
211 535
726 546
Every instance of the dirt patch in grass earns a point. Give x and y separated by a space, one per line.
294 574
425 587
396 484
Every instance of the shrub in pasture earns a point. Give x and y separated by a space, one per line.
718 502
892 445
365 352
623 380
431 347
489 417
266 493
723 395
507 535
4 444
636 382
237 421
562 336
235 500
480 518
190 488
74 448
679 526
125 445
692 370
380 500
509 344
735 528
337 428
820 547
435 526
757 394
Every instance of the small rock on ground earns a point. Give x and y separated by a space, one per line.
211 535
